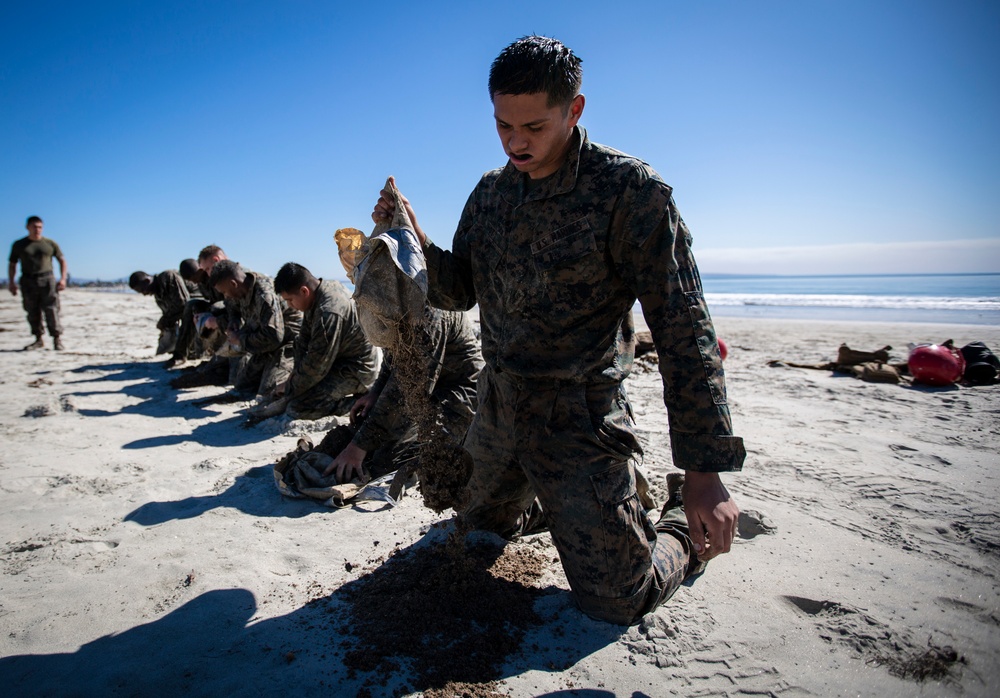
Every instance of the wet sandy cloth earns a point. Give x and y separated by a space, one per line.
390 278
299 474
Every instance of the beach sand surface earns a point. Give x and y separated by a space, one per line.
144 548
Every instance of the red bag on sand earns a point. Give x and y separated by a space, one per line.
936 364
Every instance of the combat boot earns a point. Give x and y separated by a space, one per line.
37 344
673 521
56 343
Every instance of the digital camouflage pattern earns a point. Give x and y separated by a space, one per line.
556 267
334 361
556 270
171 294
453 367
267 328
563 453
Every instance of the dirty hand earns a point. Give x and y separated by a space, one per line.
711 513
386 206
361 407
348 464
233 338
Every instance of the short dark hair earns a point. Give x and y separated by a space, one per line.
208 251
534 64
291 277
189 269
224 270
33 219
137 279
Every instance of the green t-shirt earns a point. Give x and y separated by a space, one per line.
35 256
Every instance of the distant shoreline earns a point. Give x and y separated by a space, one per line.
883 315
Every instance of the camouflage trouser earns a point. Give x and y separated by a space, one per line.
39 297
333 395
571 446
261 373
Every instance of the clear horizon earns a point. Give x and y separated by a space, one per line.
800 138
124 279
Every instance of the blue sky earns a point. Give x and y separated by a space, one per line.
800 137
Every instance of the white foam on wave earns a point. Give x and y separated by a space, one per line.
984 304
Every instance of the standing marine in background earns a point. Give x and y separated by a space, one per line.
39 288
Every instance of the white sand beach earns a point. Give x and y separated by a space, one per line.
145 550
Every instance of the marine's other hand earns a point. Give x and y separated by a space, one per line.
347 465
386 206
711 513
361 407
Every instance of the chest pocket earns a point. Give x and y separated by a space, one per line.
569 262
488 250
562 246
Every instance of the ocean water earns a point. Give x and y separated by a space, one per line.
936 298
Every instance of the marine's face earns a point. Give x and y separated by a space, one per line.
301 300
229 288
535 136
206 264
35 230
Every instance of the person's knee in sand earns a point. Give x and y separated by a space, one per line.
265 329
171 295
334 363
386 436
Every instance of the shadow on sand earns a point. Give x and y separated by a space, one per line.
148 382
208 646
246 494
228 432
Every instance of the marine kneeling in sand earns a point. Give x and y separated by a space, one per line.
555 247
386 436
171 295
334 361
265 332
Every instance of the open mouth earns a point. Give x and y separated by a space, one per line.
521 159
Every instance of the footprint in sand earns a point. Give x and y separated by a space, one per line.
753 523
36 411
876 642
96 545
